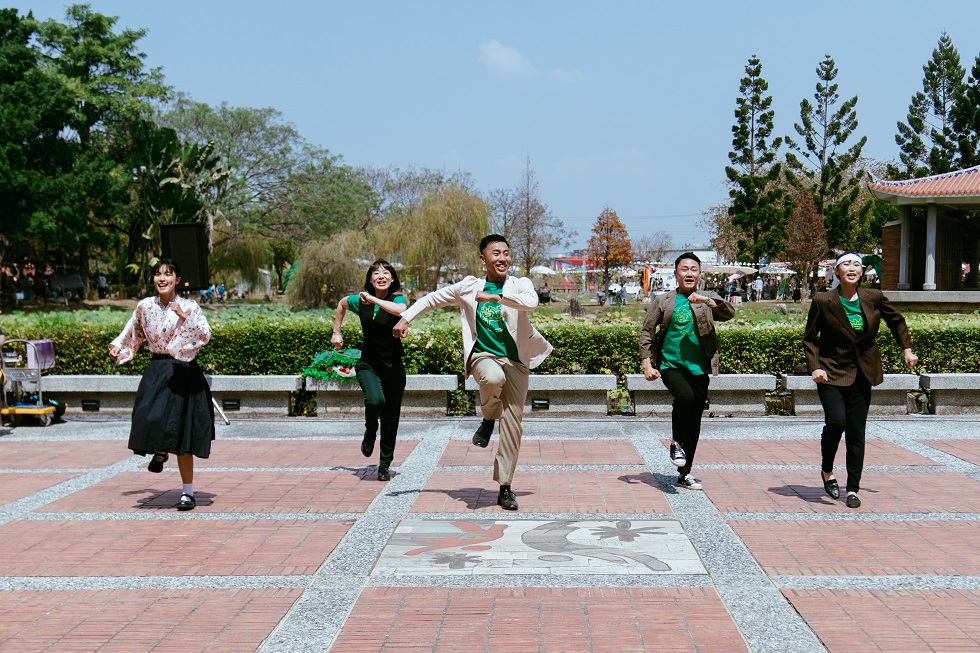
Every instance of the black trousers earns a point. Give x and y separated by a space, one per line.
845 410
690 391
383 388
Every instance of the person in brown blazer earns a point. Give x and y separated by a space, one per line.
678 344
843 359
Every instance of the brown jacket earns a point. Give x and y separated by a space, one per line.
831 344
658 318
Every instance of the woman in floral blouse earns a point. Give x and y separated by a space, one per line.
173 413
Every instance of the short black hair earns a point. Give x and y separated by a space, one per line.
168 263
381 263
690 255
492 238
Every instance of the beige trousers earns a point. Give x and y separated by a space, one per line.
503 389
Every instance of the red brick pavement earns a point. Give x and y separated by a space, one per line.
833 548
77 454
167 547
297 453
138 621
249 492
15 486
892 621
547 452
796 452
518 620
581 491
802 491
968 450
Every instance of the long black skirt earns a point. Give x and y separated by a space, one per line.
173 410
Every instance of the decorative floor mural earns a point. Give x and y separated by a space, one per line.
471 547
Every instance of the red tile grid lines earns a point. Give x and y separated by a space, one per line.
297 453
796 452
579 491
892 621
843 548
802 491
968 450
76 454
231 492
957 183
547 452
167 547
559 620
15 486
138 621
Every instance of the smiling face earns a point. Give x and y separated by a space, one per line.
850 272
496 259
381 281
165 280
688 274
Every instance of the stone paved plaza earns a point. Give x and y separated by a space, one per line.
295 546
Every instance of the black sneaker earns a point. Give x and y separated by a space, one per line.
689 482
383 473
186 502
482 436
367 444
156 462
506 499
677 455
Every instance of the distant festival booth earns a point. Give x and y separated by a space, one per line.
925 251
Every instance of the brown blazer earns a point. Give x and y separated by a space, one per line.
662 310
831 344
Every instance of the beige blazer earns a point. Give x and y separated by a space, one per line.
517 300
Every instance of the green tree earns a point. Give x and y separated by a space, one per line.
831 172
534 232
966 118
757 209
927 142
609 243
327 271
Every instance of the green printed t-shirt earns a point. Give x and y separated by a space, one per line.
492 335
682 347
354 304
852 309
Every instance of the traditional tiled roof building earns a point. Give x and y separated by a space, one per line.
926 249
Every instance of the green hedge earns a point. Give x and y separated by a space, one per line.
287 345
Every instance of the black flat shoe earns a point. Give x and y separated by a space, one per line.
853 501
506 499
831 487
156 462
186 502
384 474
482 436
367 444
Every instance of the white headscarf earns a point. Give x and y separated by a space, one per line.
849 256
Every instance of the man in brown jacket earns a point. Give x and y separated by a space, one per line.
678 344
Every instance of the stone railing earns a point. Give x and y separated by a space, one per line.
563 394
728 394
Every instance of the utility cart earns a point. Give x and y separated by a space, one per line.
22 366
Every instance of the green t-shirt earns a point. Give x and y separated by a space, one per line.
682 347
852 309
492 335
354 303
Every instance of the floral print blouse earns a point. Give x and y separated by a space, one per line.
165 333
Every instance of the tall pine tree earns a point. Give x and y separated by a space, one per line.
928 143
757 209
831 172
966 118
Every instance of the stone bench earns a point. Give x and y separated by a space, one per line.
425 395
728 394
114 395
563 394
889 398
953 394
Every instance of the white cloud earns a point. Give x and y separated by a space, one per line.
504 61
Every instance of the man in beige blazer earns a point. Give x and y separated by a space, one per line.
500 347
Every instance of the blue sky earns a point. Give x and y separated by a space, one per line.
625 104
